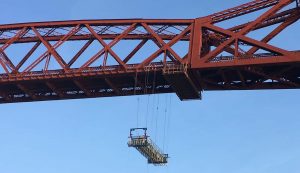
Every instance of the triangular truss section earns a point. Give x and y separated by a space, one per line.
238 42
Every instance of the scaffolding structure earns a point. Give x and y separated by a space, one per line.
147 148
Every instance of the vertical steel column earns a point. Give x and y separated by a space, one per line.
197 41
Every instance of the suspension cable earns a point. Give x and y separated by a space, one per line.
165 121
138 99
138 112
146 92
169 121
135 82
156 118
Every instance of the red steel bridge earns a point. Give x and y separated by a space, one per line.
229 50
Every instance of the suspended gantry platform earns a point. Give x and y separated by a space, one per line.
147 148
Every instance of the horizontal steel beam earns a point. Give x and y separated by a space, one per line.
107 22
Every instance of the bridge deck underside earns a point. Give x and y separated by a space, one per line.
282 76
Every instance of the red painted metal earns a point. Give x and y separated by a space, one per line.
105 58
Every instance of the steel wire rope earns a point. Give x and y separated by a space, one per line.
157 115
169 122
156 118
153 100
165 121
138 99
169 105
148 97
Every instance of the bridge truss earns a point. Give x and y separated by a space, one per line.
105 58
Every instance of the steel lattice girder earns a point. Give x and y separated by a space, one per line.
137 56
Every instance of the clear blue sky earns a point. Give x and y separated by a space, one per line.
227 132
